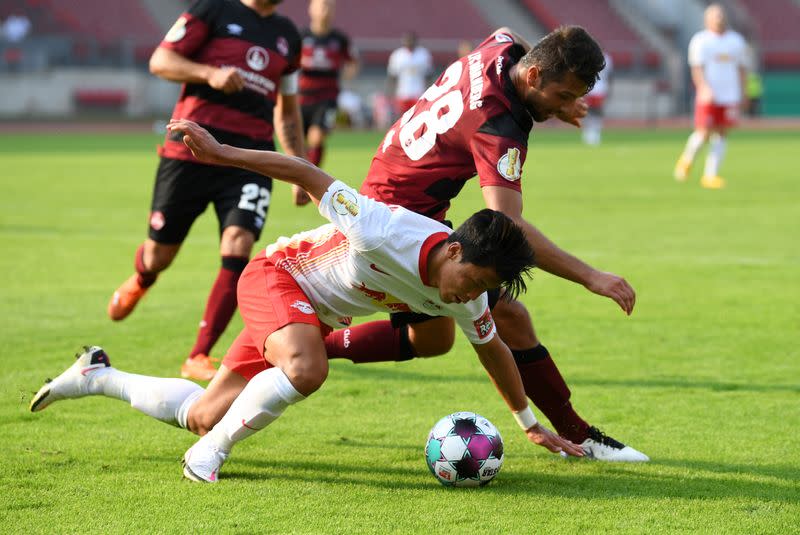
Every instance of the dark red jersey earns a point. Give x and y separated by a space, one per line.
226 33
321 61
469 122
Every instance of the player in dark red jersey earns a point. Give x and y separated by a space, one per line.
326 53
475 119
238 63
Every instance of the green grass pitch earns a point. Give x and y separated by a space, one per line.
704 376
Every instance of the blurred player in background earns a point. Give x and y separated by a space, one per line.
476 119
592 128
717 57
408 71
326 53
238 64
372 257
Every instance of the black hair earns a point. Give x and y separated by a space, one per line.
566 49
491 239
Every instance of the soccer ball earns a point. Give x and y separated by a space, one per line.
464 449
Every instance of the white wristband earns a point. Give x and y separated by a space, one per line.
525 418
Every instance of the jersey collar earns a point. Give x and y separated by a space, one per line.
427 246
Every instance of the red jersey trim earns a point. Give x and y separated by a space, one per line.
430 242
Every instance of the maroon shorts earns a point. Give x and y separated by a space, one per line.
269 299
708 115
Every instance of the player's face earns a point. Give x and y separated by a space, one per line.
321 9
462 281
545 100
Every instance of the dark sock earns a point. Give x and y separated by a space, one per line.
220 306
315 154
548 391
375 341
146 278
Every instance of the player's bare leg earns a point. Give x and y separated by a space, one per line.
236 244
695 142
210 407
301 366
315 141
151 259
716 152
545 386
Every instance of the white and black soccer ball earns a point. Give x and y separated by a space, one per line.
464 449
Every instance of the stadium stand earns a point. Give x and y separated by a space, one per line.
614 35
376 28
776 24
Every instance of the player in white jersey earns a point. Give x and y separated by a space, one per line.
372 257
592 128
408 70
717 57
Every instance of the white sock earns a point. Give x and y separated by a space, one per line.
264 398
693 145
715 155
165 399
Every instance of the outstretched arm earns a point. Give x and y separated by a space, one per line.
555 260
289 169
499 363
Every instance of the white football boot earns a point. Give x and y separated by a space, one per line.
74 382
202 461
602 447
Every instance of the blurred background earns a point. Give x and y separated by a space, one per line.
87 59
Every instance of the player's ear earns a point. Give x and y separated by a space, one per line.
454 251
532 76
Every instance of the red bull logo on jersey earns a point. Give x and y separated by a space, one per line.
509 165
484 324
344 202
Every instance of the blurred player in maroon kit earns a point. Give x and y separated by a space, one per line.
476 119
238 63
326 53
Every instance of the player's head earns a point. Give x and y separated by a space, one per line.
560 68
321 11
715 19
487 251
410 40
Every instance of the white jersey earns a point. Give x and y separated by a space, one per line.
720 56
373 258
411 67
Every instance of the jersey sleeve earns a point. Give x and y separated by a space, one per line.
365 221
477 322
499 158
192 29
696 58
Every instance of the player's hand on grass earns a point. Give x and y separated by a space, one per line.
614 287
300 196
202 144
574 113
539 434
226 79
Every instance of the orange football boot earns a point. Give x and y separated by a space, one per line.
125 298
200 368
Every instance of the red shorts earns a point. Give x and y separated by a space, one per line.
595 101
402 105
269 299
708 115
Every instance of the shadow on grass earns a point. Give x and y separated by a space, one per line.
392 372
589 481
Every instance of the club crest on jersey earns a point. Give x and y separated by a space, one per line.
303 307
344 202
283 46
484 324
257 58
157 220
177 31
234 29
509 165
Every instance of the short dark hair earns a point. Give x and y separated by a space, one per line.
491 239
566 49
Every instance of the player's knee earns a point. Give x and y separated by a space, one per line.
305 373
514 323
236 241
432 344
